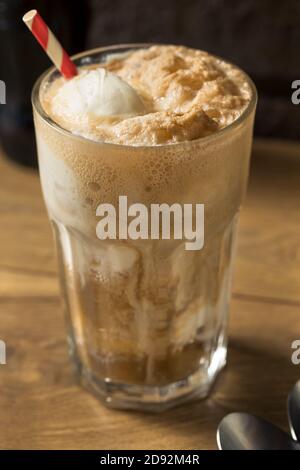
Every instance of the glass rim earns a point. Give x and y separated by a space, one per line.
37 106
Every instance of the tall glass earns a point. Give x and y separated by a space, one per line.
147 318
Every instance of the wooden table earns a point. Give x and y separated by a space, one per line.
41 405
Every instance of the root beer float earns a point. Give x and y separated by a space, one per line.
160 125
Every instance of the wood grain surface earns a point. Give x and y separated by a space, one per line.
41 404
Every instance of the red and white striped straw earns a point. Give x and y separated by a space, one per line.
50 44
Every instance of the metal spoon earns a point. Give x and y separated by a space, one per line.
242 431
294 411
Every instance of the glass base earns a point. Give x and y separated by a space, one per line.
155 399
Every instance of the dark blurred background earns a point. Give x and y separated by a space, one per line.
261 36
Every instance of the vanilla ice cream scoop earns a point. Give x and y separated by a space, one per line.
97 92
